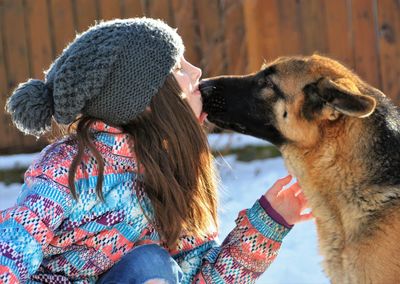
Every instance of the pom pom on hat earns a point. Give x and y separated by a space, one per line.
31 107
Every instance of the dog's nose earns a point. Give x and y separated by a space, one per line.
206 88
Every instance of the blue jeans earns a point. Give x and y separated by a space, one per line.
144 263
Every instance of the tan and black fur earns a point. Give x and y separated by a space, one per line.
341 138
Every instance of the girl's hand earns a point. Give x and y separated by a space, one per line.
290 202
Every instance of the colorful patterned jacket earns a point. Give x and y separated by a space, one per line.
48 237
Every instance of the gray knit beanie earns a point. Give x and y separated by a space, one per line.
110 72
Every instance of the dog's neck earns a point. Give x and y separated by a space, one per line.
339 176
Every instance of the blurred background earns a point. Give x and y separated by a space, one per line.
221 37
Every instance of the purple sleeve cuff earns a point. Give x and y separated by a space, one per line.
272 213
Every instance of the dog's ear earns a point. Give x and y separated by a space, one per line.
331 98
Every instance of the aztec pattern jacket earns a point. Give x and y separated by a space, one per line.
48 237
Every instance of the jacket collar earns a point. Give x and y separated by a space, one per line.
100 126
118 142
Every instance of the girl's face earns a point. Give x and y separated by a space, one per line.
188 77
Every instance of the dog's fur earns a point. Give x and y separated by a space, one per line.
341 138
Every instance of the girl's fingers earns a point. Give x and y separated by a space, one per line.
279 184
284 181
295 188
302 200
305 217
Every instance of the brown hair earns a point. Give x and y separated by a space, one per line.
172 148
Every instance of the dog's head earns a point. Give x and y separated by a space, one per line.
288 100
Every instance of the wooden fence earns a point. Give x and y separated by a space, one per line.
221 36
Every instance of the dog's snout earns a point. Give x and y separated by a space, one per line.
213 101
206 88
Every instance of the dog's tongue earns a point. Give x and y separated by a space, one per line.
203 117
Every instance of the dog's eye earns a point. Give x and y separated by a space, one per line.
266 83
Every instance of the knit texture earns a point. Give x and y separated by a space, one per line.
48 237
110 72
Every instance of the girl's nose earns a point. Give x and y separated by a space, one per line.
198 72
195 72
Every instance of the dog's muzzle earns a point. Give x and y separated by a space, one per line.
213 100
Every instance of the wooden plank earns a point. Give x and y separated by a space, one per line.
15 42
234 31
3 74
160 9
4 93
132 8
338 31
289 27
39 36
389 31
85 14
262 32
62 24
253 41
366 59
312 17
109 9
187 25
16 57
209 14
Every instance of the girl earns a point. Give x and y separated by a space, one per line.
130 195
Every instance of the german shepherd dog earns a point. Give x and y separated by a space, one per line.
341 138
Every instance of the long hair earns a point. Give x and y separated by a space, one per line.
172 150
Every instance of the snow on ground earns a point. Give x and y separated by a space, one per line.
242 183
233 140
17 161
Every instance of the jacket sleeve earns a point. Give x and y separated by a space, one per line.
28 227
246 252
